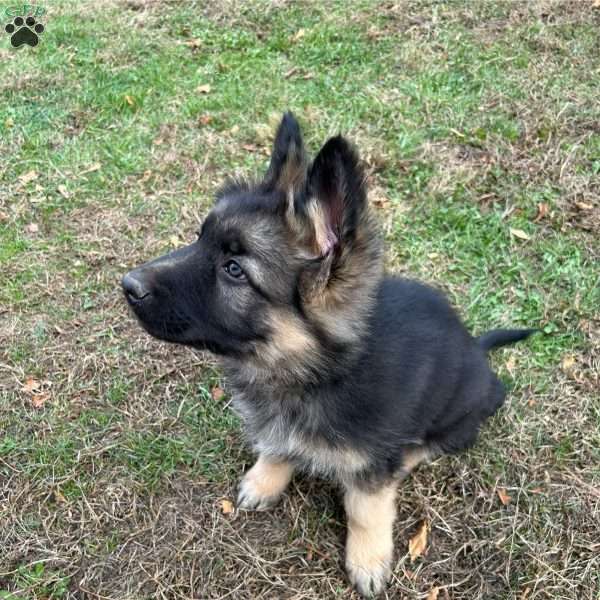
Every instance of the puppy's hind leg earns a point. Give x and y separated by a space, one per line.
264 483
369 544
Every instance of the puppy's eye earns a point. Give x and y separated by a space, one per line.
233 269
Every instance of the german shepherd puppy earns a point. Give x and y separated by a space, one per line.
334 368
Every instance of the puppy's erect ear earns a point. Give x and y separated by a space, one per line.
336 195
288 167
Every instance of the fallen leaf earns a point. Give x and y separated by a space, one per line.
291 72
203 89
62 190
195 43
542 211
511 363
38 400
59 497
596 4
583 206
27 177
205 119
525 593
129 100
504 497
298 35
250 147
379 199
93 167
433 594
8 123
519 233
417 545
32 228
158 141
174 240
234 129
567 363
309 554
227 507
217 393
31 385
3 217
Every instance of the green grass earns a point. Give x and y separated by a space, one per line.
470 117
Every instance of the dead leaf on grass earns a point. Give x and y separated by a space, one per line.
27 177
298 35
62 190
3 217
217 393
511 363
204 89
504 497
31 385
93 167
227 507
59 497
291 72
433 593
418 543
584 206
32 228
567 363
205 119
194 43
38 400
519 233
542 211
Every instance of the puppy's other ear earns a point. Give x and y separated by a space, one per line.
288 167
336 195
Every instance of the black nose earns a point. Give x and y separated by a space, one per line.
134 287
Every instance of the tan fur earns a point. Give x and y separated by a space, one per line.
318 458
343 304
288 353
414 457
293 172
289 336
264 483
369 545
318 221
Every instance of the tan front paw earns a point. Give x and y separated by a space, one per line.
263 484
368 573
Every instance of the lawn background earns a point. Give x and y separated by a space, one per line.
479 126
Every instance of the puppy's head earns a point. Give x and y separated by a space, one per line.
282 268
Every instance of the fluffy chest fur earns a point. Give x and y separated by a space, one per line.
294 427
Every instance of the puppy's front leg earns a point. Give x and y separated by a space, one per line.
264 483
369 544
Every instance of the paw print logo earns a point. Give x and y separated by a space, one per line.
24 31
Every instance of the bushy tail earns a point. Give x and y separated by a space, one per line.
501 337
